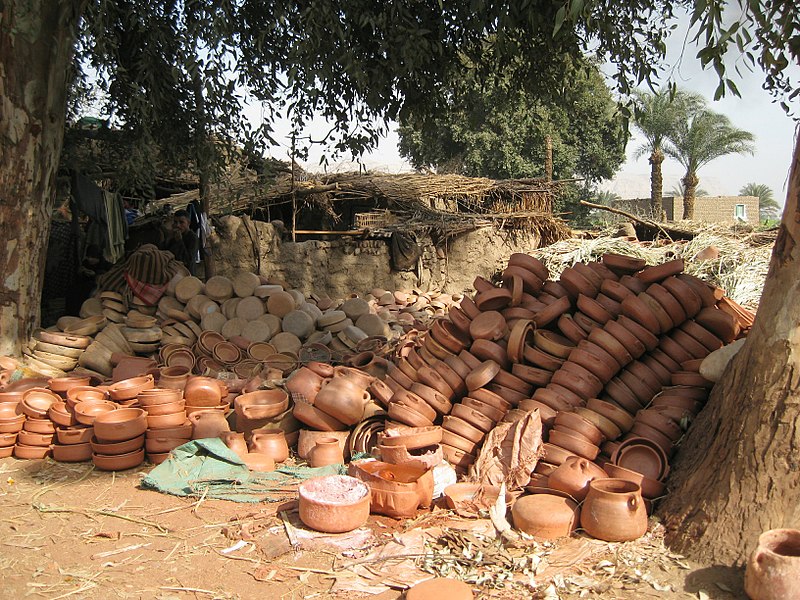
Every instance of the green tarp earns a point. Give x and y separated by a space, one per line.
208 468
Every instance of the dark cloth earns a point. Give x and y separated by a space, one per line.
185 249
405 251
108 227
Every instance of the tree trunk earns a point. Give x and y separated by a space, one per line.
690 181
738 473
36 44
656 184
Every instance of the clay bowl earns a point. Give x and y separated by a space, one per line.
184 430
651 488
85 394
128 389
573 443
166 421
37 401
156 458
553 343
492 398
591 360
404 413
87 412
11 397
166 409
615 414
609 429
680 403
317 419
159 396
643 456
462 428
39 426
460 459
61 385
552 398
487 350
654 435
11 411
118 462
163 444
28 438
412 437
468 497
690 379
546 516
623 264
31 452
120 425
12 425
556 455
116 448
546 413
490 412
453 440
72 452
59 415
7 439
573 421
474 417
334 503
660 422
644 335
74 435
612 346
440 587
534 376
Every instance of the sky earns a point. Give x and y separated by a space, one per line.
754 111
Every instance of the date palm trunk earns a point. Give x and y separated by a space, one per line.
690 181
656 184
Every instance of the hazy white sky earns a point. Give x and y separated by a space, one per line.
755 111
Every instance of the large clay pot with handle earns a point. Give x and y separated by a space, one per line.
344 399
574 475
614 510
270 443
773 571
208 424
306 382
326 451
235 441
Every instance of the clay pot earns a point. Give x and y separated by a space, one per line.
27 438
87 412
643 456
74 435
573 477
183 431
261 404
397 490
59 415
31 452
37 401
202 391
61 385
334 504
576 444
438 588
166 408
85 394
119 425
116 448
128 389
208 424
326 451
773 570
160 445
573 422
159 396
45 426
174 377
72 452
546 516
614 511
270 443
315 418
175 419
344 398
235 441
306 382
651 488
119 462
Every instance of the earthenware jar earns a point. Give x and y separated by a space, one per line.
326 452
773 571
235 441
355 376
305 381
573 477
208 424
202 391
174 377
614 510
343 398
270 443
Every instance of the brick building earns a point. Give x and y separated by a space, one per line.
711 209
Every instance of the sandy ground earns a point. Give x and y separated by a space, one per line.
71 531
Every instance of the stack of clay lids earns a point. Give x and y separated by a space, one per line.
91 307
114 308
187 288
144 308
88 326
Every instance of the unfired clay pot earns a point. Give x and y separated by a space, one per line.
614 511
773 570
270 443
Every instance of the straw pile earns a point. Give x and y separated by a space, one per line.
740 269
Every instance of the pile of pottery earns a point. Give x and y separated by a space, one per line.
591 351
262 452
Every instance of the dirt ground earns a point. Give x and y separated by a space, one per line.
71 531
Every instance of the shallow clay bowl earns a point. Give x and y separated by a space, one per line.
184 430
116 448
468 497
120 425
11 411
87 412
61 385
118 462
7 439
31 452
166 409
413 437
74 435
128 389
37 401
166 421
28 438
72 452
156 396
163 444
59 415
651 488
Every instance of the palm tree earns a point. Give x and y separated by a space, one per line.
656 116
698 140
679 191
768 208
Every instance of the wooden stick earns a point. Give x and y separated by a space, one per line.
628 215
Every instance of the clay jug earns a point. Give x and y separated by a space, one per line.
326 452
235 441
773 571
306 382
208 424
174 377
270 443
355 376
614 510
320 368
574 475
343 399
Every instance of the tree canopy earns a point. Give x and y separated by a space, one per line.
496 129
768 208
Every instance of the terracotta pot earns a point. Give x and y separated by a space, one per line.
315 418
87 412
546 516
167 421
261 404
31 452
438 588
259 462
773 570
28 438
334 504
127 389
37 401
158 445
344 398
270 443
174 377
576 444
396 490
202 391
307 439
72 452
116 448
643 456
576 423
651 488
235 441
119 462
59 415
181 431
326 451
208 424
614 511
45 426
573 477
61 385
74 435
306 382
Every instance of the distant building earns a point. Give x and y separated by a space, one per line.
711 209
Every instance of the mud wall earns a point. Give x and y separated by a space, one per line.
345 265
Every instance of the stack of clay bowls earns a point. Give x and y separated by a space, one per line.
36 436
412 446
60 350
205 393
118 441
167 425
142 332
114 308
12 420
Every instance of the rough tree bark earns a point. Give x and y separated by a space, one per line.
36 44
738 473
690 181
656 184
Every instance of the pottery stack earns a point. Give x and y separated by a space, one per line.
167 424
